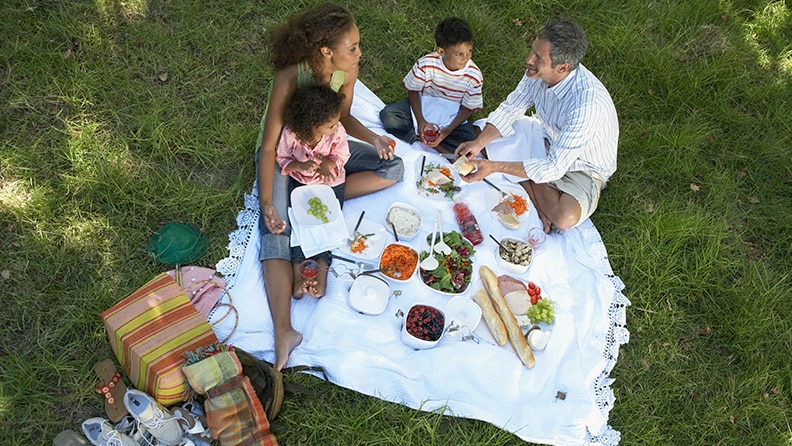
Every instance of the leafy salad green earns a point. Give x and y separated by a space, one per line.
455 271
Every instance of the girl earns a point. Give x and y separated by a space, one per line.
313 149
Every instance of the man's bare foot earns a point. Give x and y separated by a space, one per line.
316 288
284 344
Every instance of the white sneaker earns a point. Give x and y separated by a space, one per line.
154 418
101 433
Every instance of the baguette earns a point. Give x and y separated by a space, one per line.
491 317
512 327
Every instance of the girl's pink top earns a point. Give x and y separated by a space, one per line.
334 147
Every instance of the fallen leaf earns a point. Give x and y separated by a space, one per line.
163 76
775 390
517 22
705 331
5 274
686 346
765 395
754 200
66 54
731 419
650 91
695 187
742 173
666 344
644 363
650 207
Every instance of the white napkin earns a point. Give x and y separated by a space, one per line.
316 239
527 142
437 110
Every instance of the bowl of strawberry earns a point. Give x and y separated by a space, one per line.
423 326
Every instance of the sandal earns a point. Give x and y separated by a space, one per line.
113 389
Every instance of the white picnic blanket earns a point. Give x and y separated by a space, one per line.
564 399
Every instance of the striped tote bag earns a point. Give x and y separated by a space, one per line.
150 331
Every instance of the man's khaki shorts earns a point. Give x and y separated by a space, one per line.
584 188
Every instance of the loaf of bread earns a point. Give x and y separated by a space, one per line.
491 317
509 321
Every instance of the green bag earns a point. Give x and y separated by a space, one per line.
268 382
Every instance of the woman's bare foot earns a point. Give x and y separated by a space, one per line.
284 344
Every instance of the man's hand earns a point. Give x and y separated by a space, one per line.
483 169
470 149
385 147
272 220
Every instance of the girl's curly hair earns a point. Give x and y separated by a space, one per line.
302 37
310 107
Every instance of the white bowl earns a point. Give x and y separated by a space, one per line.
406 235
418 343
463 311
507 265
425 248
368 294
299 203
404 277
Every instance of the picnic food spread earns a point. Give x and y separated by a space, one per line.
437 181
454 270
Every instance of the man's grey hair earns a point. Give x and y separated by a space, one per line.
568 42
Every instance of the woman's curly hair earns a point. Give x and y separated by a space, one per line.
310 107
302 37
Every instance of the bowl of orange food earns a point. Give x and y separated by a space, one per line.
398 262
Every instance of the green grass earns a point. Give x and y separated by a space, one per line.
119 116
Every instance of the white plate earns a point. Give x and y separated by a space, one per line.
374 243
299 202
495 197
434 191
463 311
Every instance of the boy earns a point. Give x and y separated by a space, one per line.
443 89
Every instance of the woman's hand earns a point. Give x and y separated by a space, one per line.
272 220
385 147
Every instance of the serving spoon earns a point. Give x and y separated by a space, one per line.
430 263
441 247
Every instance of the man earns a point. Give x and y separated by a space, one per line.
579 125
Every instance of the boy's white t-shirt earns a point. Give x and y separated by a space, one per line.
442 90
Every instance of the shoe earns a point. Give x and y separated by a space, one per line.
129 427
70 438
193 425
100 432
113 389
154 418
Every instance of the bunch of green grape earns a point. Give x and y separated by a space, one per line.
542 312
318 209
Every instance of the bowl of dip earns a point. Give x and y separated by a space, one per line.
406 219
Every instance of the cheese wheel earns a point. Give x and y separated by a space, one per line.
512 327
493 321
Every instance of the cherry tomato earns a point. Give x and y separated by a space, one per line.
531 285
538 291
534 299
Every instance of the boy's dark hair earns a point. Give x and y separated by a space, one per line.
453 31
311 106
568 42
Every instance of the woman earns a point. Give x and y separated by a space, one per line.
321 47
